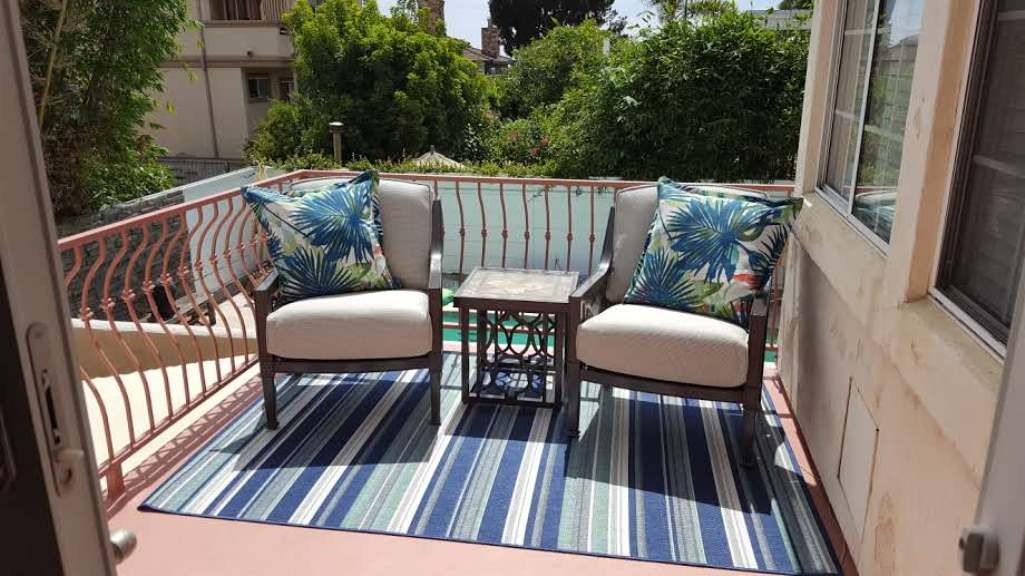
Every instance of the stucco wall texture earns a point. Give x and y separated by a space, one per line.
895 396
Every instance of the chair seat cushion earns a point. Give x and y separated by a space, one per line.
665 345
361 325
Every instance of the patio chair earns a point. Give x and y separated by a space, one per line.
651 349
374 331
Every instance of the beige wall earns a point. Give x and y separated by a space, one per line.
186 125
895 396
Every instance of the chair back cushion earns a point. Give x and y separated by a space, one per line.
635 208
324 242
710 254
406 216
405 223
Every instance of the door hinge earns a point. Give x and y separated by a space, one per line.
63 459
979 550
7 471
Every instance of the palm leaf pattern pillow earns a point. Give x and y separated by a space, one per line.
324 242
712 253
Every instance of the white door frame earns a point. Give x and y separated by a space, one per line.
29 261
999 534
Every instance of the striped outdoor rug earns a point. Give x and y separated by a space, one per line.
650 478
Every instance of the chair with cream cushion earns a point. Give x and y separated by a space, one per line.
372 331
653 349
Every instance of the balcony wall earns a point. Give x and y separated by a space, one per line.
894 396
249 41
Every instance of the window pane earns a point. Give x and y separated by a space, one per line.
850 91
989 241
889 93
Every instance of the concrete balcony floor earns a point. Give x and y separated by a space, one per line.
179 545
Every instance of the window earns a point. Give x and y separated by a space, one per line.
259 87
985 242
878 45
235 9
285 87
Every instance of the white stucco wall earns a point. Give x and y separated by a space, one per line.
185 128
860 331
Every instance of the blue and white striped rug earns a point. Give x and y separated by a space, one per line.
650 478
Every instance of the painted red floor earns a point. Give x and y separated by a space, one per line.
184 546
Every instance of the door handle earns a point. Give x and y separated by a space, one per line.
979 550
123 542
64 459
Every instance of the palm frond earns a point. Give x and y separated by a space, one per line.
308 272
709 233
661 281
339 220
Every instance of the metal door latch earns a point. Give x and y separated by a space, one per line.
979 550
63 458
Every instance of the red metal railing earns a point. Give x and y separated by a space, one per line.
162 306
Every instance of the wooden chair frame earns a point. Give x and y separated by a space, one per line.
589 300
270 365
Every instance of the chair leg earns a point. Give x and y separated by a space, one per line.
270 396
572 399
435 397
747 446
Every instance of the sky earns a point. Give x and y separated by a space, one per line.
465 18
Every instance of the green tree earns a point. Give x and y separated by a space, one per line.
545 69
397 88
717 100
522 21
672 10
796 4
94 65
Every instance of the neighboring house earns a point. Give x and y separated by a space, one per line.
222 83
489 56
232 67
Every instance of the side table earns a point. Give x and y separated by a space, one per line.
521 318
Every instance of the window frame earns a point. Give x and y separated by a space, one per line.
834 198
984 324
286 95
269 93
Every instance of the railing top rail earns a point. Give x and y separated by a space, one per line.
160 214
559 182
179 209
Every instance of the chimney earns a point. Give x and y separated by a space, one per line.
490 41
435 16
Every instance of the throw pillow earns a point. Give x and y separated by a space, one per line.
711 254
323 242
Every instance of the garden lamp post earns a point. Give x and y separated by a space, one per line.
336 138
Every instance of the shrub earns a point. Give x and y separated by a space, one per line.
546 69
717 100
397 88
92 85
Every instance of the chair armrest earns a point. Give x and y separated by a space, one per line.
589 298
263 300
434 288
760 307
595 284
434 279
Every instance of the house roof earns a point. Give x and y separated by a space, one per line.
477 55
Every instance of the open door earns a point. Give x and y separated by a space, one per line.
996 544
52 518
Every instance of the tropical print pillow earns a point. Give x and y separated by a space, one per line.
710 254
323 242
711 190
